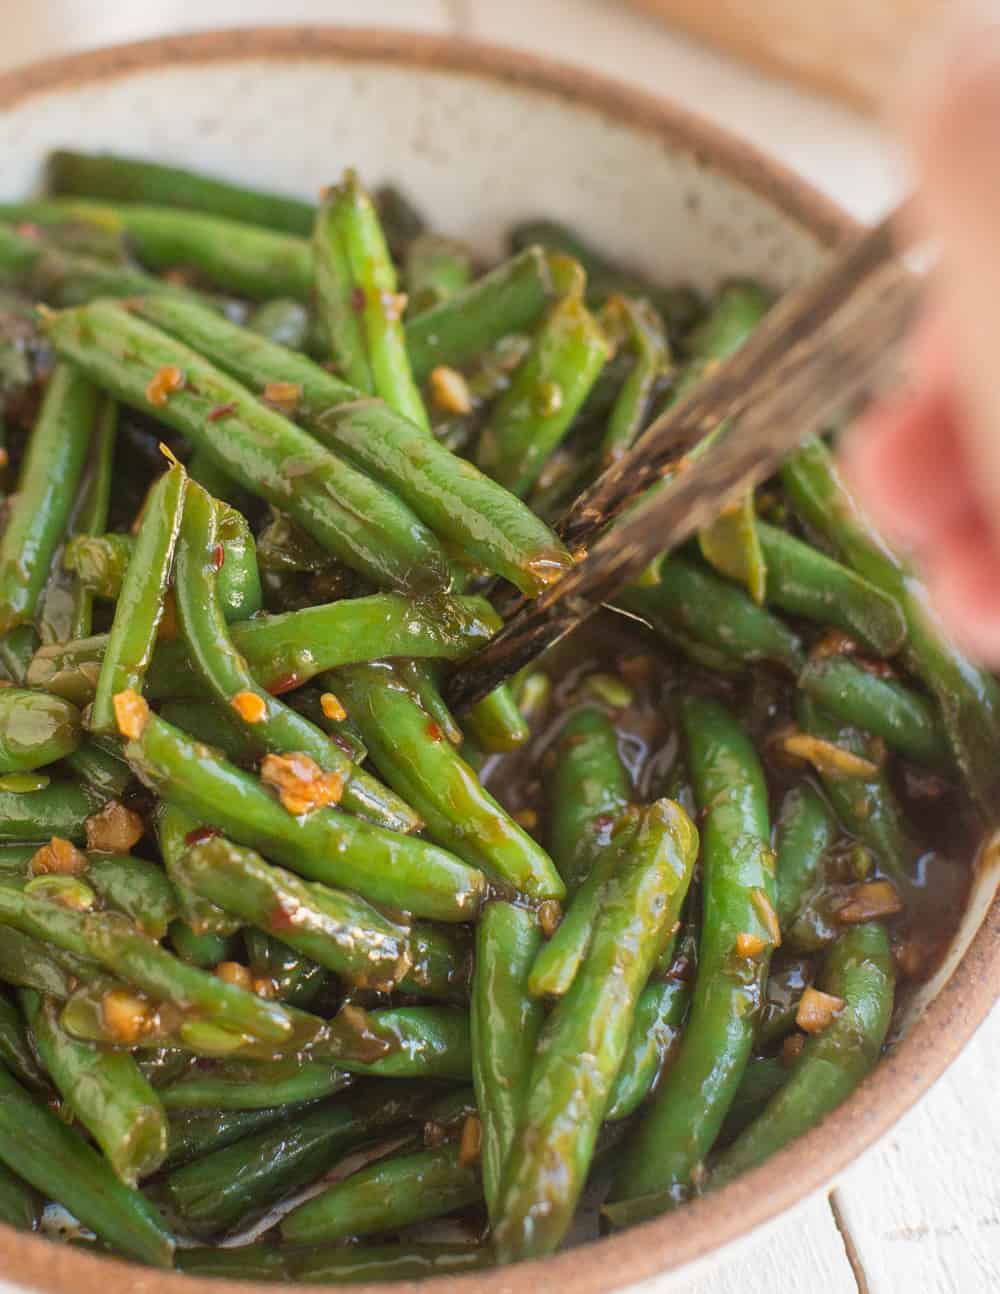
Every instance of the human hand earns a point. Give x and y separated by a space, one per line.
926 464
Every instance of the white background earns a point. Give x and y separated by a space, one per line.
921 1212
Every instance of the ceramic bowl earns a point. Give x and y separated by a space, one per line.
481 138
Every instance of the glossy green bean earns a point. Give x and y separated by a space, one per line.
455 500
430 774
105 1091
584 1040
588 789
496 722
867 807
806 582
58 809
175 832
135 886
659 1018
323 845
350 515
385 1196
287 650
139 608
645 336
236 1184
193 1134
401 1042
297 979
805 831
225 673
546 392
31 963
968 697
902 717
255 1086
505 1025
57 1162
113 941
99 563
358 1264
763 1076
20 1206
859 971
201 948
509 299
690 1105
112 177
696 603
53 465
15 1048
359 300
35 729
237 579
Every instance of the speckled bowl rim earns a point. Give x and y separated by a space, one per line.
705 1225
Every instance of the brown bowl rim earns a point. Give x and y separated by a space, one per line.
795 1173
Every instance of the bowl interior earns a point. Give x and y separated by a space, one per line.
479 140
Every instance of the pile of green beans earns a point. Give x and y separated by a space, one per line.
292 956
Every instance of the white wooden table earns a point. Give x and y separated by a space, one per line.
919 1214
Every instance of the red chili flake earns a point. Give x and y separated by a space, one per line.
200 834
285 684
218 556
279 918
434 731
221 411
357 299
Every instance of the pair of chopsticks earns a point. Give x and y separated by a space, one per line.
820 350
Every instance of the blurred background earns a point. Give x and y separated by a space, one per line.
804 79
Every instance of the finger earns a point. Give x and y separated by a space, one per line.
962 575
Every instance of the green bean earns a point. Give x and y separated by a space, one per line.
805 831
224 670
584 1040
656 1029
334 928
696 603
386 1196
58 809
20 1206
678 305
732 546
297 980
15 1048
867 807
734 314
99 563
546 392
763 1076
505 1026
235 1262
283 321
140 604
509 299
456 501
859 971
176 831
16 651
788 979
968 697
323 845
106 1092
400 1042
238 1183
201 948
690 1105
67 606
902 717
35 729
213 725
435 270
644 331
52 468
422 684
114 178
496 722
192 1134
284 651
805 582
31 963
350 515
135 886
237 579
359 302
56 1161
588 790
113 941
254 1086
358 1264
430 774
